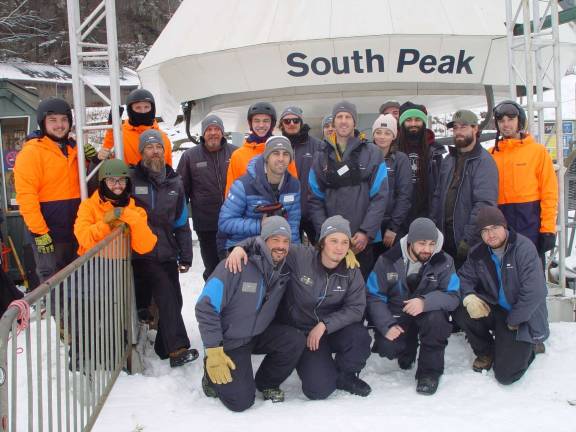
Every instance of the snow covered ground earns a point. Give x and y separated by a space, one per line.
172 400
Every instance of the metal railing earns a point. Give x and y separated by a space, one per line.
58 372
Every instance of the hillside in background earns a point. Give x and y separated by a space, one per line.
37 30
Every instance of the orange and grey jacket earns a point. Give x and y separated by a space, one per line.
48 188
90 227
131 138
528 188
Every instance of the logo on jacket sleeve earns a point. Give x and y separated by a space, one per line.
306 280
172 193
249 287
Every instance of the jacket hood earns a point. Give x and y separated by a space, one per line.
438 248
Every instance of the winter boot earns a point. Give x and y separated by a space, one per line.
182 356
350 382
427 385
207 387
405 362
482 362
273 394
539 348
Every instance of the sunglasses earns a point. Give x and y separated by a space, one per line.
506 109
287 121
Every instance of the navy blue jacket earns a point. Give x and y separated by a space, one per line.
233 308
478 188
238 216
516 283
362 204
165 205
387 288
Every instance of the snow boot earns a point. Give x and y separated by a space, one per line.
406 362
207 387
182 356
427 385
539 348
273 394
482 362
350 382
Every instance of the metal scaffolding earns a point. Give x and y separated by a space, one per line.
532 31
81 53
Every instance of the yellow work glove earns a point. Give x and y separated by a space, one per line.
218 365
44 243
476 307
351 261
112 215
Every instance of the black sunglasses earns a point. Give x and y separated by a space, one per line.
287 121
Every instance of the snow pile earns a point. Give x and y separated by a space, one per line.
167 399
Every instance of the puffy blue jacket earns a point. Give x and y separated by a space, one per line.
238 216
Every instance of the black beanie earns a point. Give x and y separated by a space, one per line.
490 216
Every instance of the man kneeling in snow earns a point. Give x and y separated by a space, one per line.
411 290
234 313
504 310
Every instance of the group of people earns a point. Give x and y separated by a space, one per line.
317 252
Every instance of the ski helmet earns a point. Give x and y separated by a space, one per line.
113 168
512 109
262 108
52 106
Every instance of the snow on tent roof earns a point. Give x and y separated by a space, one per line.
25 71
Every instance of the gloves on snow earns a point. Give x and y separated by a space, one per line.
476 307
218 365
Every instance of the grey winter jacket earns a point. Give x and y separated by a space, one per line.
387 288
304 156
233 308
165 205
478 188
517 285
362 204
204 176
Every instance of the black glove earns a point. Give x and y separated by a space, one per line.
120 109
546 242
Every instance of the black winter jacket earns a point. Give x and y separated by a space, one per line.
165 205
204 176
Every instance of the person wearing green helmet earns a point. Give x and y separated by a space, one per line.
109 207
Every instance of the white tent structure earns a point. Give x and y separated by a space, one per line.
226 54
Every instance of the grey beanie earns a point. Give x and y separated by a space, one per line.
327 119
345 106
212 120
275 225
335 224
278 142
150 136
294 110
422 229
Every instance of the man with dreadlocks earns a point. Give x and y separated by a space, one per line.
528 189
425 157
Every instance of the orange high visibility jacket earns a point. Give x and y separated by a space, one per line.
239 162
131 138
48 188
528 187
90 227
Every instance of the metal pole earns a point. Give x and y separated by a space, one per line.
559 146
113 69
510 22
528 65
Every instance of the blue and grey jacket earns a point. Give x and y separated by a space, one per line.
516 283
233 308
387 288
355 188
238 216
165 205
478 188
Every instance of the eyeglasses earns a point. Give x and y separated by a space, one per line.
287 121
121 181
506 109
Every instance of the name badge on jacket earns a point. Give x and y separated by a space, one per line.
141 190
